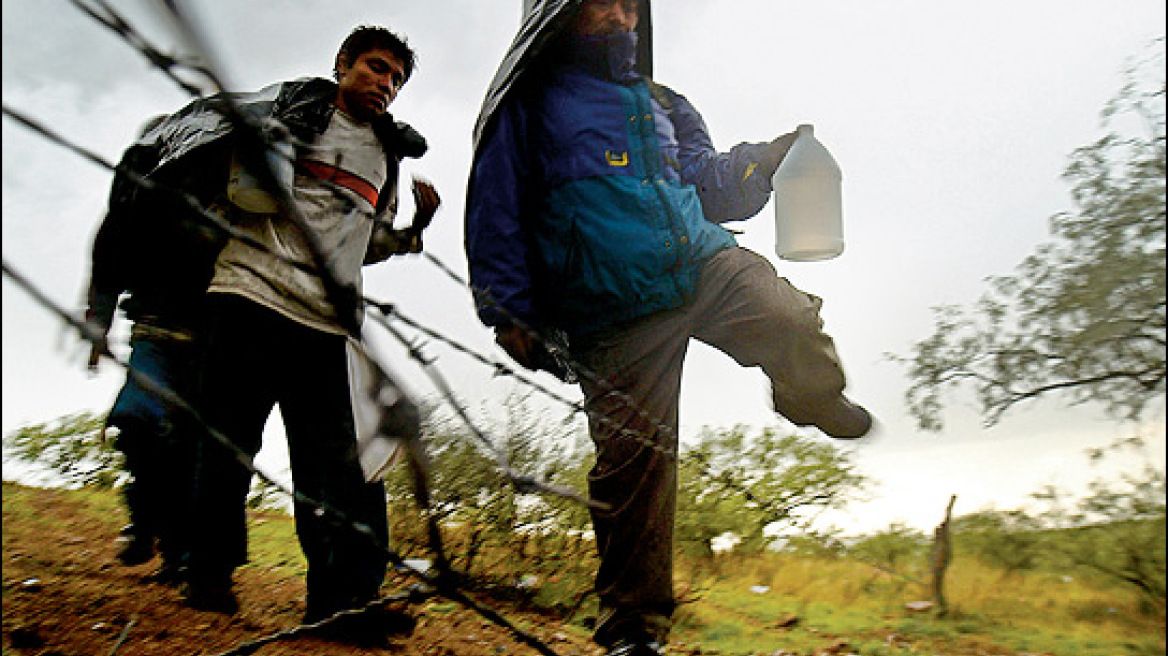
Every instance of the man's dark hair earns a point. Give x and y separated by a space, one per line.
364 38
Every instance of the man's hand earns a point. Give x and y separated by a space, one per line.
775 153
426 202
97 348
387 240
518 343
94 358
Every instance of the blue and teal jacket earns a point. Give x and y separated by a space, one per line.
595 196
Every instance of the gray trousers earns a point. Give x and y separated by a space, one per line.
632 386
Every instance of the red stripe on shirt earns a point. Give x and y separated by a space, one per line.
341 178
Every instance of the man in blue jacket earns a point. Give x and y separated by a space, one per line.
593 209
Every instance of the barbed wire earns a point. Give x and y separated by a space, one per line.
521 482
414 594
443 582
344 299
706 468
108 17
150 384
340 296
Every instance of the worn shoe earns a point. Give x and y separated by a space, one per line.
846 421
371 628
838 417
136 549
209 595
635 648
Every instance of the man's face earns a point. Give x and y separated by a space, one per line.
601 17
369 84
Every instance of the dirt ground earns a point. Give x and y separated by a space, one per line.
65 594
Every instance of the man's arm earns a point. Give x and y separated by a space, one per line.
497 247
387 241
112 254
732 185
109 274
400 140
105 284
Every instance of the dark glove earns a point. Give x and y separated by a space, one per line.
536 355
774 154
517 342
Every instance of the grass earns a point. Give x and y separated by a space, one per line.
272 540
88 506
833 600
840 600
272 543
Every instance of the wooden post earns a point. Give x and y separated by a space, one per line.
942 554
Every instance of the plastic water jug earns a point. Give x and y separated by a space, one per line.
808 203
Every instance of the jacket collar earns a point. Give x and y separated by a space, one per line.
306 106
609 57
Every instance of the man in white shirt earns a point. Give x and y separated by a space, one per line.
279 325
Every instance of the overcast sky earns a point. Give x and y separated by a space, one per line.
952 123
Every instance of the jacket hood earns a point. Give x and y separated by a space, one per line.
543 21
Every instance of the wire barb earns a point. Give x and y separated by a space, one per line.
110 18
442 580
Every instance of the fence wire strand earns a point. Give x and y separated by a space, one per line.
345 299
444 582
522 483
108 17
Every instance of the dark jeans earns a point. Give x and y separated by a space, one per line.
257 359
157 441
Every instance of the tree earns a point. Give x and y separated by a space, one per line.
71 449
753 484
460 476
895 549
484 512
1117 530
1008 539
73 452
1085 314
